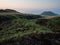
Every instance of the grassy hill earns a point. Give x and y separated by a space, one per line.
19 25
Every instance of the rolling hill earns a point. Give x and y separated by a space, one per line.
14 25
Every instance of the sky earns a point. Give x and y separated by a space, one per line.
31 6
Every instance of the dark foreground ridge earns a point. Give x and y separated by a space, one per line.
35 39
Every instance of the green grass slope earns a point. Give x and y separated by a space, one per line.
14 25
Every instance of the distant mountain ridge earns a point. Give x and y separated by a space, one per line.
48 13
7 10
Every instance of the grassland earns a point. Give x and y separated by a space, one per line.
15 26
19 25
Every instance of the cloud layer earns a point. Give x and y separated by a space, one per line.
30 4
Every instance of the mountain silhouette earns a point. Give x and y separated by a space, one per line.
48 13
7 10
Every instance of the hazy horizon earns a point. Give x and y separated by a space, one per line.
31 6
